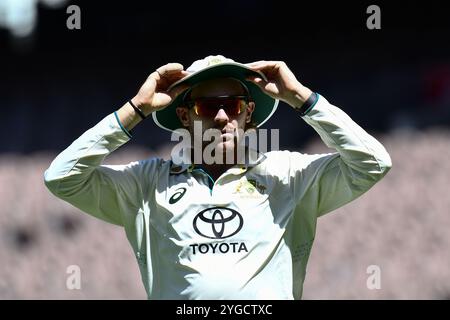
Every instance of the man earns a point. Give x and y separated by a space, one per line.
234 229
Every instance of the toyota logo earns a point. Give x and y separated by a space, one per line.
218 223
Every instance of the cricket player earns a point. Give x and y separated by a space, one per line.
219 223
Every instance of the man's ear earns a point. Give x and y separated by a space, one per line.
250 109
183 115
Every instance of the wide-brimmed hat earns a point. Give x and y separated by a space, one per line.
218 67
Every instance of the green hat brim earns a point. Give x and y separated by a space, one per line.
265 105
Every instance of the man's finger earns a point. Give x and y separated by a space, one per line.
261 65
255 63
169 68
155 75
175 77
180 74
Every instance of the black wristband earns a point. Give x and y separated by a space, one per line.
137 110
308 104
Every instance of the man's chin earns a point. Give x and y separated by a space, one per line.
223 153
225 147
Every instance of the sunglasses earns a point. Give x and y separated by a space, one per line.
209 106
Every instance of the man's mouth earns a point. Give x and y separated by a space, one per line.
231 131
228 135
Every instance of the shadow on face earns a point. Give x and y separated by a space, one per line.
230 128
214 88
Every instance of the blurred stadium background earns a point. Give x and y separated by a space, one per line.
395 82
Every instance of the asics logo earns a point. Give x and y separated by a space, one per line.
177 195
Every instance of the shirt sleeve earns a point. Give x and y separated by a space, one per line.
324 182
77 175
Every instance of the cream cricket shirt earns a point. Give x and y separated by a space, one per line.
248 236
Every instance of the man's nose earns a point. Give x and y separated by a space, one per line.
221 116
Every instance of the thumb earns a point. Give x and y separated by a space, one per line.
260 82
269 88
174 92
